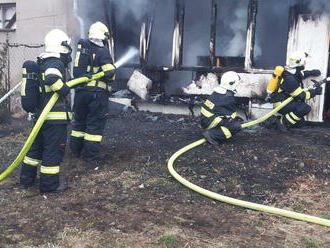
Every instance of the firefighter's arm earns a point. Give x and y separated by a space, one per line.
305 93
109 71
54 82
310 73
107 65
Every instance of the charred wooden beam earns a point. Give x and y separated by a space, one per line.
177 46
213 32
251 29
143 44
181 33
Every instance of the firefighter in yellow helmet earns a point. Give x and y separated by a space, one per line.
91 100
47 150
218 112
291 85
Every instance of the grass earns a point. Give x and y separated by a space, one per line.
309 243
326 216
167 240
300 207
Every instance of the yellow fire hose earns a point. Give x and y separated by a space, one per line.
40 121
241 203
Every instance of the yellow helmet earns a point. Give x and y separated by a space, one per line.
297 59
229 80
98 31
57 41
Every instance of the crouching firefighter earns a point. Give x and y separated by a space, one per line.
218 113
290 84
47 76
91 100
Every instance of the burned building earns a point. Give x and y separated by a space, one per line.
180 40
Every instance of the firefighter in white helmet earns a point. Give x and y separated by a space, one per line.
47 150
291 85
218 112
91 100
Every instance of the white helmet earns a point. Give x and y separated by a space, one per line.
98 31
297 59
57 41
229 80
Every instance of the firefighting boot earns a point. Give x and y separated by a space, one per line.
280 125
270 123
28 176
60 188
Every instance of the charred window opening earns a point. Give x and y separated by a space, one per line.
160 52
231 23
196 42
128 19
271 34
8 17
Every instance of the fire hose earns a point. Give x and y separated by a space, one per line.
237 202
129 55
40 121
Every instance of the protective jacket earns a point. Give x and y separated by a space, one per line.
218 115
91 101
53 78
291 85
90 59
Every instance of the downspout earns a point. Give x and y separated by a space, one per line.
81 35
79 19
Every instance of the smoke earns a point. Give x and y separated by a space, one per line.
236 46
196 38
321 7
271 34
231 27
136 9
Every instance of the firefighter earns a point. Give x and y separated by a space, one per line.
291 85
91 100
218 112
48 148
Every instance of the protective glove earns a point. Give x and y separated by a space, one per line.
88 75
315 73
318 90
109 74
267 99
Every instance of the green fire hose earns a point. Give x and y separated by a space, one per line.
40 121
241 203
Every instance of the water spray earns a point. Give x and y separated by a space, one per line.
10 92
131 53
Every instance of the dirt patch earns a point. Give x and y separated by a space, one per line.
131 200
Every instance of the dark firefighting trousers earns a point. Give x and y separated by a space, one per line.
47 151
293 113
89 118
224 130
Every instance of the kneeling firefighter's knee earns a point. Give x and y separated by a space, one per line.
303 110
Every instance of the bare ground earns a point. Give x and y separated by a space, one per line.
131 200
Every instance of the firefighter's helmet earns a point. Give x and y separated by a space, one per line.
297 59
57 41
229 80
98 31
